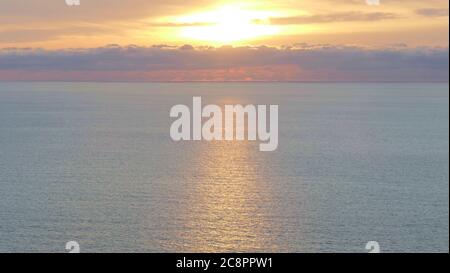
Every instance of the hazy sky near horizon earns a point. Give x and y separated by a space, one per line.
224 40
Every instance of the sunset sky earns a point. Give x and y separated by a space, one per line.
224 40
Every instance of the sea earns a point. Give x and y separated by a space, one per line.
94 163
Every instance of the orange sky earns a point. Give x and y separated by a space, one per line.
204 40
53 24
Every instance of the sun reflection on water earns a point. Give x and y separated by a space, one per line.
228 209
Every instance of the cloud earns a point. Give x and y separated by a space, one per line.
186 47
333 18
169 24
300 62
46 34
433 12
23 11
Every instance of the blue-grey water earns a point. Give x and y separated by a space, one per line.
94 163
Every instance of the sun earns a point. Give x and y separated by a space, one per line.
227 24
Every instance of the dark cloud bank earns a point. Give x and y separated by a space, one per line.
301 62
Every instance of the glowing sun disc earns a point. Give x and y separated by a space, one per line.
227 24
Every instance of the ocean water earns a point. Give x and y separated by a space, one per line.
94 163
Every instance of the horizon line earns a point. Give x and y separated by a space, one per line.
206 81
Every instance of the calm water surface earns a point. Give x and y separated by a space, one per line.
94 162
